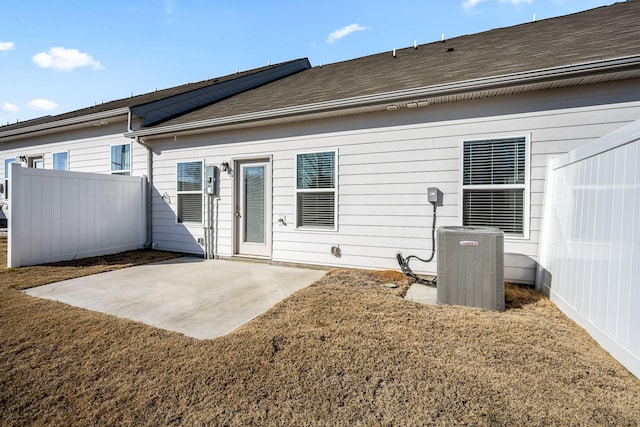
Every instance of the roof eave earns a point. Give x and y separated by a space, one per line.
54 125
481 84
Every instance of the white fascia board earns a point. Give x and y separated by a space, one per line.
485 83
65 122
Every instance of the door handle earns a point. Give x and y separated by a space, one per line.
238 213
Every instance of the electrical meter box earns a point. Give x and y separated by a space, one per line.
434 196
211 174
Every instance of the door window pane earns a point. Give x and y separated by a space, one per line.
254 214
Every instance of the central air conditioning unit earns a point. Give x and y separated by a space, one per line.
471 267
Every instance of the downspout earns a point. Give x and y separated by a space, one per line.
149 221
149 193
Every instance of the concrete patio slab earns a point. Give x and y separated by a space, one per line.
201 299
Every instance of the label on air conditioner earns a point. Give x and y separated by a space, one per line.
468 243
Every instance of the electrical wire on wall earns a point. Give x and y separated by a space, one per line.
404 262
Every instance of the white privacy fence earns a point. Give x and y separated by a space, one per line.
59 215
590 247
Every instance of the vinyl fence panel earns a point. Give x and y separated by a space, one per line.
59 215
590 247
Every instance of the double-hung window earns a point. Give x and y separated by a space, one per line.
495 184
316 190
121 159
190 197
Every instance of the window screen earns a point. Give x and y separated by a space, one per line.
189 186
316 190
494 184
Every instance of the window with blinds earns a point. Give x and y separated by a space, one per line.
189 186
316 190
494 184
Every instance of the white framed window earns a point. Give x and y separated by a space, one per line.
61 161
190 196
7 165
495 184
121 159
316 190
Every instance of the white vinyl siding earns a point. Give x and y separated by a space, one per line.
384 166
316 190
494 184
121 159
189 187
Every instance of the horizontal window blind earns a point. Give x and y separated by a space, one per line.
316 170
254 209
189 186
490 162
315 190
190 176
316 210
190 208
502 209
494 183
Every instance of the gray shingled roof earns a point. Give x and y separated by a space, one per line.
145 99
594 35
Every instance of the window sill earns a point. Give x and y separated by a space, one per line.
316 230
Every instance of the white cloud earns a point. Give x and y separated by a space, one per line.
516 2
6 46
62 59
343 32
41 104
169 6
10 108
470 4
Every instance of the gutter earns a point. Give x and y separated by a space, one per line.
486 83
65 122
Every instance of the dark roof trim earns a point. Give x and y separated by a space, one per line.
163 109
66 122
163 104
474 85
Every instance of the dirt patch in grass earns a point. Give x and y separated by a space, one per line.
37 275
346 350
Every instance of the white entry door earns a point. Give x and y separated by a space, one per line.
253 208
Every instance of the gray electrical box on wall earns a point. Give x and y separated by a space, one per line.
211 179
471 267
434 196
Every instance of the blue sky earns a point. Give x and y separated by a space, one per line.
58 56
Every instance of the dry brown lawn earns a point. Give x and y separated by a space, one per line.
345 351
